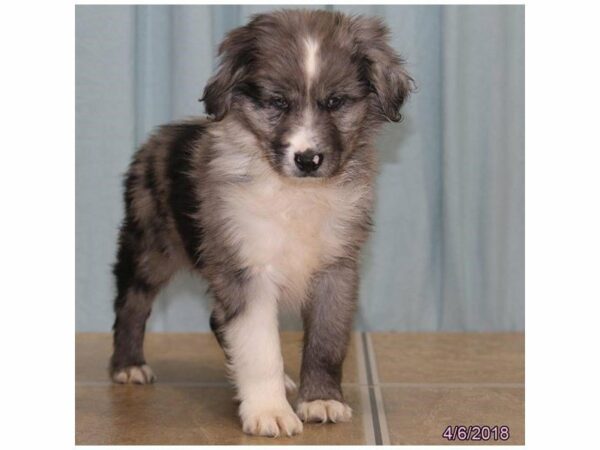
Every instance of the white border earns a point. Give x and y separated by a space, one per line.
562 224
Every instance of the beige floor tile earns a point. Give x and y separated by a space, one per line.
419 415
449 357
185 357
429 381
178 414
174 357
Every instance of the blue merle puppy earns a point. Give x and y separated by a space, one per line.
269 199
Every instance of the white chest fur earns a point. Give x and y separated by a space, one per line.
289 230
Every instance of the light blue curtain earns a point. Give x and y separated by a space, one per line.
448 250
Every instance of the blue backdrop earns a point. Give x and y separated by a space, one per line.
448 250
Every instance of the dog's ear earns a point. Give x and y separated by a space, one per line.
236 54
382 67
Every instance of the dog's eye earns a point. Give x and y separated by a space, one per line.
334 102
279 103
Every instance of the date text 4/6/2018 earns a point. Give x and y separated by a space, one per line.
476 433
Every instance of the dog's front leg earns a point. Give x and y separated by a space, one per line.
328 319
252 343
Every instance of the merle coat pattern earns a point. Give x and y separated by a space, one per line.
269 198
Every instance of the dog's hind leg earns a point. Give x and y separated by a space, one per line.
140 272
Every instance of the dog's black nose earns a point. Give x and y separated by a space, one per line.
308 160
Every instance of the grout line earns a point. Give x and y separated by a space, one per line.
367 416
207 384
376 389
453 385
373 398
362 384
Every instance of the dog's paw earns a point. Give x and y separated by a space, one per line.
290 385
270 421
324 411
134 375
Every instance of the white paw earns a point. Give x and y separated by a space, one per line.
135 375
290 386
324 411
270 421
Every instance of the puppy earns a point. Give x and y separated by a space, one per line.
269 198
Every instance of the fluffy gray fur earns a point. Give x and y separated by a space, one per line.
225 197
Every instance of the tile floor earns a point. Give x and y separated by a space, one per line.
404 388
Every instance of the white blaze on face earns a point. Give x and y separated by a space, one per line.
302 137
310 60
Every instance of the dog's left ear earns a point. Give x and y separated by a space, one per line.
383 68
235 52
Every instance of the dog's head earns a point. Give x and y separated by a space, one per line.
312 86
